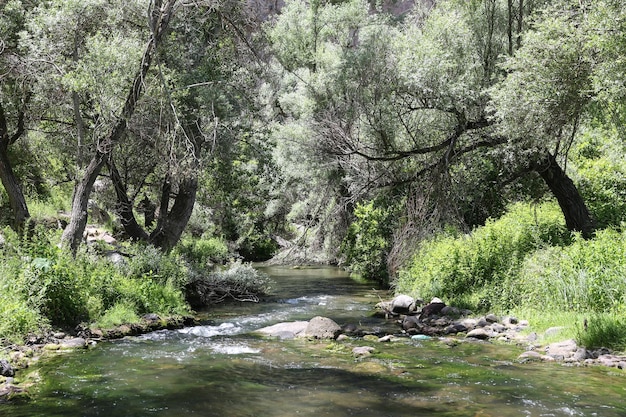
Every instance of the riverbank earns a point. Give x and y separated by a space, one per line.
401 318
16 360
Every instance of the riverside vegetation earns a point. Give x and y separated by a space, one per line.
467 150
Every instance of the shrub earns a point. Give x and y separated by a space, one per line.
473 268
604 330
367 242
203 251
239 282
120 313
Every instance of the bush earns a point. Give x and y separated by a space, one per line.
367 242
41 284
120 313
203 251
604 330
473 268
240 282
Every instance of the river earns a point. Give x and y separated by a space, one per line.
221 369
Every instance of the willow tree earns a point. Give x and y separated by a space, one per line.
159 15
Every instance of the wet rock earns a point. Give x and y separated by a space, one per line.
434 307
322 328
402 304
281 330
481 333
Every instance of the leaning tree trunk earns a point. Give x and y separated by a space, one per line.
11 185
160 15
577 216
14 192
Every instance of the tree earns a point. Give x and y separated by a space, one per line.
160 14
14 99
409 107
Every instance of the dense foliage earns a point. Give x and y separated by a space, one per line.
410 144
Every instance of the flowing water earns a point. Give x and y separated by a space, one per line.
221 369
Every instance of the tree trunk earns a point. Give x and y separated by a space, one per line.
73 233
171 224
16 197
577 216
160 15
125 206
14 192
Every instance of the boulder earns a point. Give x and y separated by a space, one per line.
402 304
481 333
73 343
562 350
322 328
286 330
434 307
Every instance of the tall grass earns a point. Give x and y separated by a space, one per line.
604 330
475 269
586 276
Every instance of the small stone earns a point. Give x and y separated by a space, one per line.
492 318
532 337
482 322
59 335
421 337
385 338
510 321
370 338
361 351
480 333
498 328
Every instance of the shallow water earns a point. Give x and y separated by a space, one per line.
221 369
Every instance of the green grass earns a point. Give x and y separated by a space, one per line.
120 313
604 330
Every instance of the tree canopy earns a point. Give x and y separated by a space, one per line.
306 122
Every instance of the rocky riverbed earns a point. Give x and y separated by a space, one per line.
400 318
